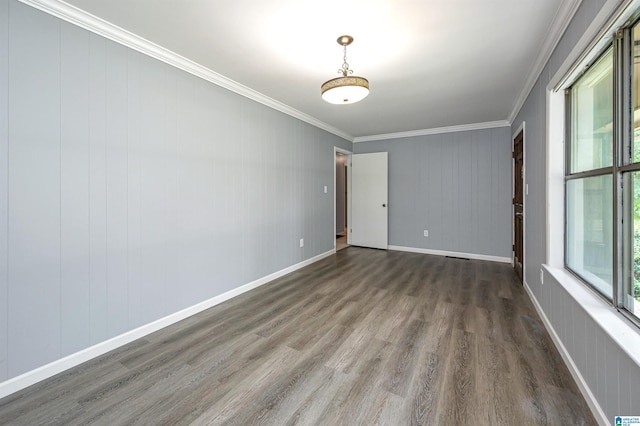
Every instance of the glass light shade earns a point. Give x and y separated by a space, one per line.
345 90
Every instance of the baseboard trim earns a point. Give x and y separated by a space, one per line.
49 370
453 254
596 410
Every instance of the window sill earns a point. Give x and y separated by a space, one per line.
615 324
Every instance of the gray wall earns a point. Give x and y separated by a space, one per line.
341 219
130 190
611 375
455 185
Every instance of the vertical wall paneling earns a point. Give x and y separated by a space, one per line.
270 192
98 188
591 356
75 295
219 197
505 187
339 193
625 368
404 207
244 181
450 184
449 170
153 188
612 385
315 197
486 187
465 184
235 178
210 205
116 188
291 164
436 188
184 262
498 165
4 182
474 193
579 337
34 194
261 214
600 384
170 171
136 308
634 389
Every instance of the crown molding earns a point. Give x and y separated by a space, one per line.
435 131
561 21
96 25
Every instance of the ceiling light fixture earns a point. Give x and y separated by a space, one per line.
345 89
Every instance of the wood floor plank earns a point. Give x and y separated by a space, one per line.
361 337
458 404
401 368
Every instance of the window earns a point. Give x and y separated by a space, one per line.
631 181
602 173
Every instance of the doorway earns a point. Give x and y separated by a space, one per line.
342 159
518 203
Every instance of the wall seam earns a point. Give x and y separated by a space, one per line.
6 331
60 286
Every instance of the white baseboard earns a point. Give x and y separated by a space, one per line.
596 410
49 370
453 254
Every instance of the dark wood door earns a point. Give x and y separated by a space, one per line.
518 203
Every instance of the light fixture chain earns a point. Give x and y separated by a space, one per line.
345 66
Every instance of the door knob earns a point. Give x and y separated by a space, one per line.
384 205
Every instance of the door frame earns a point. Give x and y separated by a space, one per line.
337 150
525 191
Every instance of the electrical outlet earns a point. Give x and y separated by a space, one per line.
541 276
301 242
426 233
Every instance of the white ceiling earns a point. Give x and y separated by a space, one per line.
430 63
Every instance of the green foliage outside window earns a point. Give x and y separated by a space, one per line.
636 222
636 266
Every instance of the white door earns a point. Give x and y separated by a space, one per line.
368 226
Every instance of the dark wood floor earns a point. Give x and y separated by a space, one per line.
362 337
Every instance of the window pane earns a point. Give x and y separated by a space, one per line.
589 230
636 94
592 117
632 268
